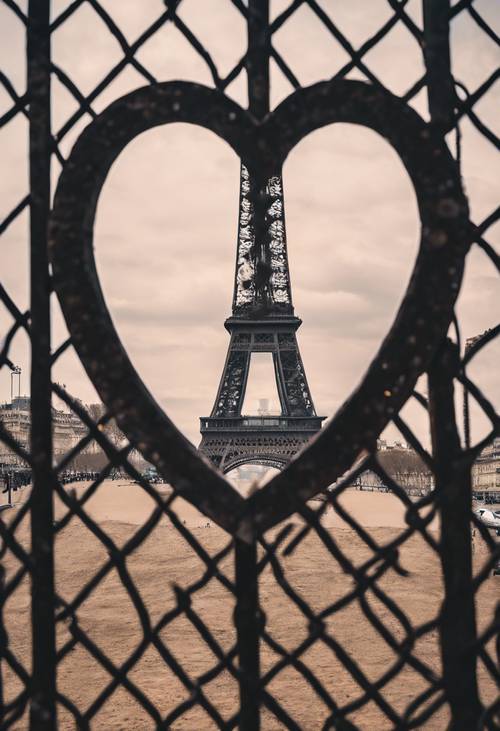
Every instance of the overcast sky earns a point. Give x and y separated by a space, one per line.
167 218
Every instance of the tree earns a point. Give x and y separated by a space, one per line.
110 428
398 461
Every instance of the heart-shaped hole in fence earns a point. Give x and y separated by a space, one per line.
420 324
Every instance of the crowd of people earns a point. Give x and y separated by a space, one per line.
13 478
78 476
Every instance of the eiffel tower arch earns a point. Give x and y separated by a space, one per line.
262 321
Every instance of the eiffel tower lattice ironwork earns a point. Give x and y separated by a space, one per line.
262 320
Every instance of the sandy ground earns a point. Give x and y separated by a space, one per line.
165 560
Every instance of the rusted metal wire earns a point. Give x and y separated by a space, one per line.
262 138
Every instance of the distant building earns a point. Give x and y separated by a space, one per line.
263 409
486 472
383 445
16 418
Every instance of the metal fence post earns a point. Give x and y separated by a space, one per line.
452 470
440 88
247 621
43 691
3 642
453 491
247 612
257 63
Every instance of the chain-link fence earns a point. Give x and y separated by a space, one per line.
237 627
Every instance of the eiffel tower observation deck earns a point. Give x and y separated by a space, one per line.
262 321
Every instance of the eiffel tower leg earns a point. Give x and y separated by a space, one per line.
292 378
234 378
280 383
229 400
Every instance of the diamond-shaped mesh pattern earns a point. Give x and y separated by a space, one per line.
348 643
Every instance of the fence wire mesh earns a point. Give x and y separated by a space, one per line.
271 643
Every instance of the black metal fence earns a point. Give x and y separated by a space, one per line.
445 692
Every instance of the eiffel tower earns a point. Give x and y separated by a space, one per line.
262 321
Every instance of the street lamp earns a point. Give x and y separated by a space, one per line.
15 371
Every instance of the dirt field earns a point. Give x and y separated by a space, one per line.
165 560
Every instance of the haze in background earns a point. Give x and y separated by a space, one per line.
167 218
